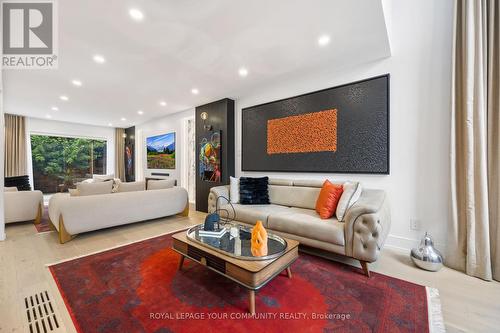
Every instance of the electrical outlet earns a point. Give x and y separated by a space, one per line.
414 224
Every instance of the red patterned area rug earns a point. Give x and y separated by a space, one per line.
138 288
44 225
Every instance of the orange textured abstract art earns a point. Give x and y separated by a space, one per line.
305 133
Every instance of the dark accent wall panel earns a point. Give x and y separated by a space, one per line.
355 138
220 118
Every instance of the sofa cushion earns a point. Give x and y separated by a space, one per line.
307 223
131 186
85 189
160 184
10 189
251 213
254 191
303 197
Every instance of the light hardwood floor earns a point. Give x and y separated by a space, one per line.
469 304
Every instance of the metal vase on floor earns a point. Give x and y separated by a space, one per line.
426 256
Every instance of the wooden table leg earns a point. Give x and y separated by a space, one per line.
181 262
251 301
289 272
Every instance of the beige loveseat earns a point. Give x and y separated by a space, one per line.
292 214
72 215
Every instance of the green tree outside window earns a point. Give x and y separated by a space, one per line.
60 162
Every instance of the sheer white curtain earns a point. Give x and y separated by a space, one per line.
474 234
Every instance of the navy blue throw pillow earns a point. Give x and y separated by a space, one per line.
253 191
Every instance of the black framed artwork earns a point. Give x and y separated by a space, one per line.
344 129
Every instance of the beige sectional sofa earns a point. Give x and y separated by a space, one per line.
292 214
72 215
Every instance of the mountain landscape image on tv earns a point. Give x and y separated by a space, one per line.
161 151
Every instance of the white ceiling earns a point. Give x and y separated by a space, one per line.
187 44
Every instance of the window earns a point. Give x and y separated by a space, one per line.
61 162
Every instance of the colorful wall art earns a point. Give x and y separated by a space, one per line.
210 155
343 129
161 151
130 154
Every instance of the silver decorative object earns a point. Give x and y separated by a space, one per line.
426 256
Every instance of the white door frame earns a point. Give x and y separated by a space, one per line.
185 156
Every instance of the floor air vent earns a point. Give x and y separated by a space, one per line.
40 313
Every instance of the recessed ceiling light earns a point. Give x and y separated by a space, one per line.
195 91
110 124
54 108
123 119
243 72
323 40
48 116
77 83
64 98
136 14
163 103
99 59
140 112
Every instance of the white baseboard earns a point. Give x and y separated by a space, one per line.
2 236
401 243
406 244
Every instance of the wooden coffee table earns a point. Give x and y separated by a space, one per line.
251 274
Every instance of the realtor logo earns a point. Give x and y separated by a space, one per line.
29 35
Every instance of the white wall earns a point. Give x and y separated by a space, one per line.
170 123
420 68
59 128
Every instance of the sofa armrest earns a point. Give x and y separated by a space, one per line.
367 225
22 205
55 203
215 193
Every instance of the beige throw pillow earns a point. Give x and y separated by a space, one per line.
73 192
10 189
131 186
234 190
161 184
116 185
102 178
94 188
351 194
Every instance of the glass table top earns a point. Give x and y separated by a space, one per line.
236 242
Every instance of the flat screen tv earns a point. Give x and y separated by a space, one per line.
161 151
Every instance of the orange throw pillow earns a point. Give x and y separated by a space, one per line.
328 199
